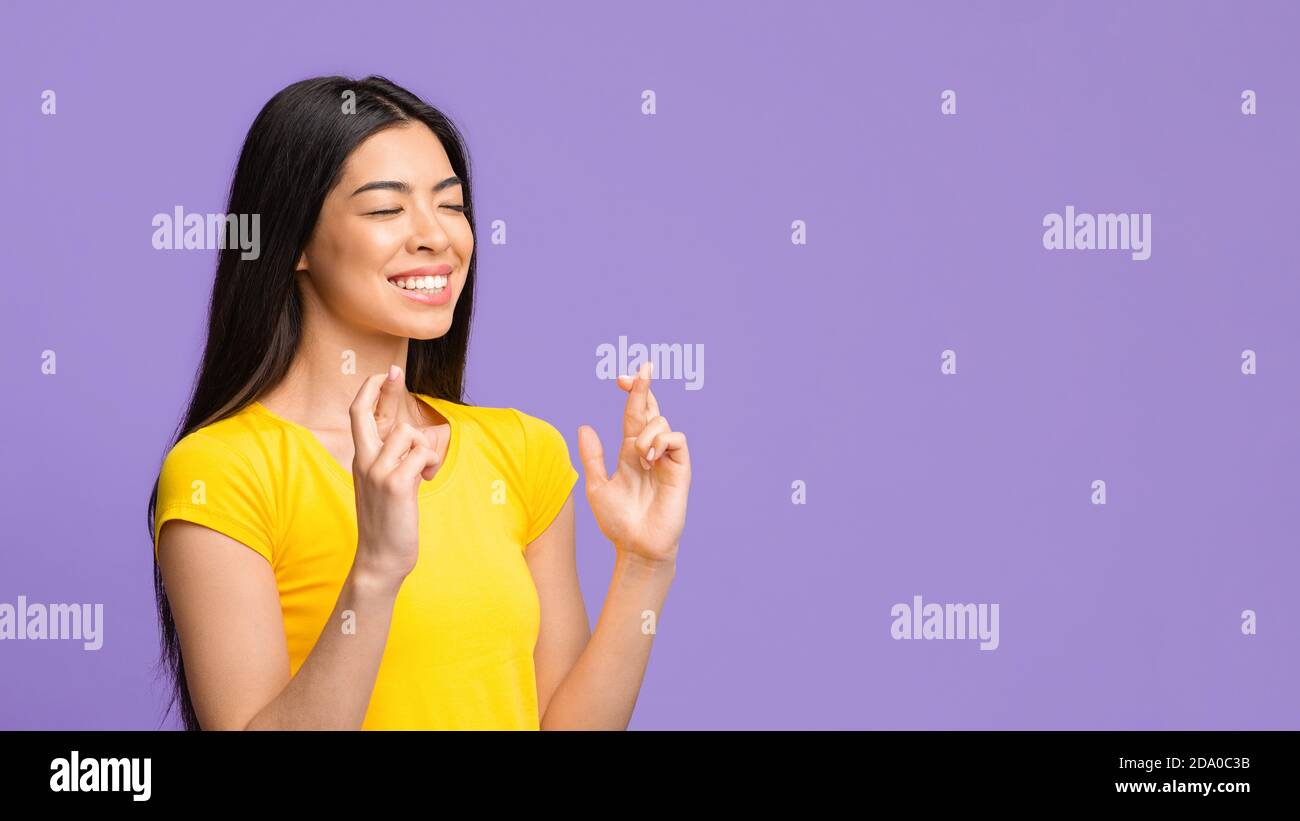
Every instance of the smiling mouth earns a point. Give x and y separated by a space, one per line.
420 285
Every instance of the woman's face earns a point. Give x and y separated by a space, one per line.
390 226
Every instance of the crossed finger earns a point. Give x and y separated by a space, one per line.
403 437
649 408
649 443
365 432
640 407
391 396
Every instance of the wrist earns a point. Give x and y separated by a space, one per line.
630 559
371 583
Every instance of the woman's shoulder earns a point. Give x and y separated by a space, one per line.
220 476
239 438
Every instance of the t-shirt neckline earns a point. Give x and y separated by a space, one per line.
336 469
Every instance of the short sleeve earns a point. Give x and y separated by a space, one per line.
208 482
548 473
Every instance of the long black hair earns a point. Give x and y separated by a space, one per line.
292 157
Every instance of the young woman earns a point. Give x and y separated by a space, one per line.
339 541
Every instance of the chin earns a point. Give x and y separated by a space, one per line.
428 330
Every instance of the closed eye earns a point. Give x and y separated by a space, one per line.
458 208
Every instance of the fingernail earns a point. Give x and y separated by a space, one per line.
651 455
393 371
644 464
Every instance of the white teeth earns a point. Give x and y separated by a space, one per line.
434 284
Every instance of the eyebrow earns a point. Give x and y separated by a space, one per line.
403 188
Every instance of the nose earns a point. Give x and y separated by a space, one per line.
426 231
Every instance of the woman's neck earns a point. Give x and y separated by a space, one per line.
328 369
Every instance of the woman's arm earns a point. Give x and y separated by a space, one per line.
641 509
587 682
226 606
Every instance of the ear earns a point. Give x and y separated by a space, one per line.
302 264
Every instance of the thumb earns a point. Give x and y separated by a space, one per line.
592 454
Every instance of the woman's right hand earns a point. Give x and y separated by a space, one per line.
386 474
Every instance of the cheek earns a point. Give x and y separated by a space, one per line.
350 262
463 241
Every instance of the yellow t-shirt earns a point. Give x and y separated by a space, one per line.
465 622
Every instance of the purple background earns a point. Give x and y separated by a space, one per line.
822 361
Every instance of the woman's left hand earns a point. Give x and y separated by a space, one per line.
642 507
